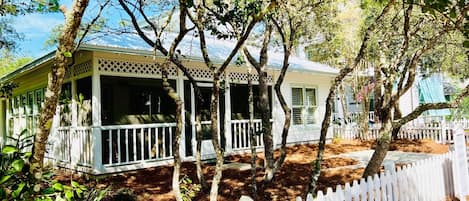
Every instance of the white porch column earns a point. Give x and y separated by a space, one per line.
193 129
180 91
3 130
228 134
276 118
74 147
74 104
7 116
96 116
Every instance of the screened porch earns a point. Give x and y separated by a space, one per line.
136 124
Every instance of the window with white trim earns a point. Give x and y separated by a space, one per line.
304 105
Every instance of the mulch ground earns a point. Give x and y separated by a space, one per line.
291 181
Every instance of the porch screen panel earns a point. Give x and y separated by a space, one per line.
84 101
135 101
65 105
240 103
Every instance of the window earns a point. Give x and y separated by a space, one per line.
39 99
304 105
84 101
24 111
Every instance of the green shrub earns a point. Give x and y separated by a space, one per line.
188 189
18 183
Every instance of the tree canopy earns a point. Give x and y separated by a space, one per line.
10 8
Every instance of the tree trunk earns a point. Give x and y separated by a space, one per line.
364 117
214 131
381 149
397 115
198 154
252 137
330 98
286 110
177 135
322 139
55 80
343 102
266 125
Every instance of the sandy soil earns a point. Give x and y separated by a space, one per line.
289 182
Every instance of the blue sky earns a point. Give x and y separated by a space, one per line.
36 28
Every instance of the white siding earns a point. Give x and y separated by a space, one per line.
301 133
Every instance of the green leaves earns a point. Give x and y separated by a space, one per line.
17 182
466 44
16 193
5 178
67 54
58 187
8 149
46 5
18 165
69 195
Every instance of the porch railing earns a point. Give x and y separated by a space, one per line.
240 134
71 146
438 132
127 144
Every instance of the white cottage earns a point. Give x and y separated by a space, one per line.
114 116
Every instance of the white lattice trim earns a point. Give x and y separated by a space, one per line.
78 69
200 73
82 68
132 67
243 77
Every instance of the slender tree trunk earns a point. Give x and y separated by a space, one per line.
177 134
252 137
364 117
286 110
266 125
330 98
322 139
198 154
397 115
377 92
343 102
214 130
55 80
381 149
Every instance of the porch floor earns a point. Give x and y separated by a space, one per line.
291 180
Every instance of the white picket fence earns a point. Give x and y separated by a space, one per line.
438 132
431 179
351 117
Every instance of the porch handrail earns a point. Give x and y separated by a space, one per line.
247 120
134 126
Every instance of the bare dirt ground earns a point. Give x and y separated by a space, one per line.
290 182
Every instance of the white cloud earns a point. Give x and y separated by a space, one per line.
32 24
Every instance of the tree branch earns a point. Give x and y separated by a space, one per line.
88 27
431 106
265 45
135 24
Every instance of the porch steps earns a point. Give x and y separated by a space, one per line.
237 166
